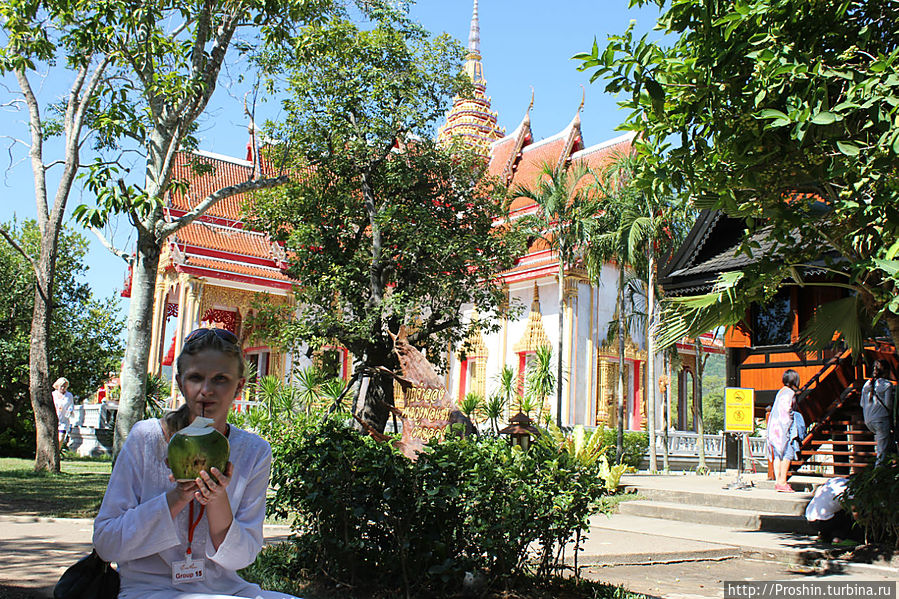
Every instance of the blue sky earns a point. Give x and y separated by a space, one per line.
524 44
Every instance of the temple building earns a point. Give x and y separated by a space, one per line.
589 387
214 272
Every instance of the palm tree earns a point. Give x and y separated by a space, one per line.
636 225
623 228
506 379
494 409
566 213
471 405
540 382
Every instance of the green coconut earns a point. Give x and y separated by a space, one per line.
197 447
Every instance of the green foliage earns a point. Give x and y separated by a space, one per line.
84 342
472 405
611 475
383 228
494 408
635 445
781 113
367 516
583 446
871 498
158 392
540 381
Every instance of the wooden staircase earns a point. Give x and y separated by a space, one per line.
837 442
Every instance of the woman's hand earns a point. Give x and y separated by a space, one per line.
181 495
211 486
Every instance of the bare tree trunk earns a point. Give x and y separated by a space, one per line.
50 222
650 364
560 343
619 444
666 412
132 401
697 405
46 441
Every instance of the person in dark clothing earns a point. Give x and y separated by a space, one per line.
877 406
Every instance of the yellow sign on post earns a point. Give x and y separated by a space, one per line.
739 405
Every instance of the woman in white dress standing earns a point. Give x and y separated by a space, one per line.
155 528
65 407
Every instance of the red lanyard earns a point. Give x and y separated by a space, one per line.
193 524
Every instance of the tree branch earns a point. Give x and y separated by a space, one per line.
18 248
37 149
225 192
108 245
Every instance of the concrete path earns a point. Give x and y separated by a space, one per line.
34 552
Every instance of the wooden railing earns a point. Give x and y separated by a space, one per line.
837 442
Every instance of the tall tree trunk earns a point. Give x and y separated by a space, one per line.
697 405
46 440
132 401
379 393
666 412
651 362
619 444
560 343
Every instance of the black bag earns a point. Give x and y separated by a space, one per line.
89 578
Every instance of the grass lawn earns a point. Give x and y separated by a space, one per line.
76 492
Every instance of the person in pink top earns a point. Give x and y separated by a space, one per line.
779 422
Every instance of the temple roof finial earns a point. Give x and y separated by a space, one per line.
583 97
470 118
474 34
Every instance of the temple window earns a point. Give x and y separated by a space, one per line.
772 324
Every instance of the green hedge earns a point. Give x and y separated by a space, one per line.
367 516
635 445
871 497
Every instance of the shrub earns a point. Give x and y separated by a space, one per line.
366 515
635 445
871 497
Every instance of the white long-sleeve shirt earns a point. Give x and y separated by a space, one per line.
135 529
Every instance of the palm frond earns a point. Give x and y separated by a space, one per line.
834 320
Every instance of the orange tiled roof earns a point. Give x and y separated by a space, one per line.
223 171
226 239
228 266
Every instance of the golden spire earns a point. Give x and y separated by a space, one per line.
471 118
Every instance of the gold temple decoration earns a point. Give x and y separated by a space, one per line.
534 335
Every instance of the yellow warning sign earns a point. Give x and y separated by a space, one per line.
739 405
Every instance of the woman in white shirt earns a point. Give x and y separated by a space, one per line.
186 540
65 407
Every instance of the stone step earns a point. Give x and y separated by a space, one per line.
784 547
759 500
731 518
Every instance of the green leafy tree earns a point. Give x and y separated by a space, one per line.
472 405
623 227
782 113
383 226
84 343
40 39
166 58
566 210
539 380
494 408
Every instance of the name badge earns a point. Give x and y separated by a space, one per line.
188 571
